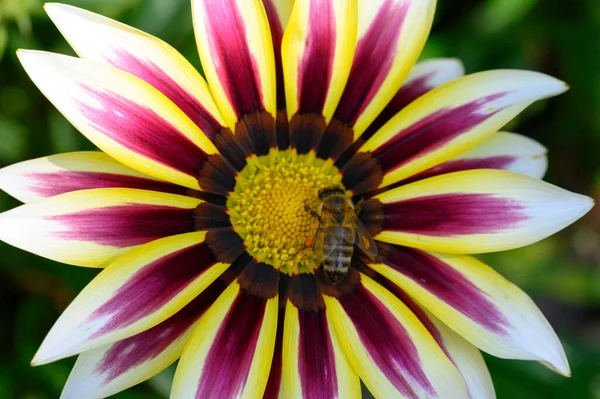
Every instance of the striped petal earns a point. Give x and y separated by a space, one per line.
424 77
104 40
109 369
454 118
45 177
389 348
391 35
123 115
476 302
135 293
476 211
314 364
465 357
317 50
278 14
93 227
236 51
230 351
508 151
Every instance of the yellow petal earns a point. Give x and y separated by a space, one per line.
477 211
123 115
233 342
476 302
136 292
93 227
236 50
35 179
109 42
317 51
454 118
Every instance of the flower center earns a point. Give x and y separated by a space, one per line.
268 207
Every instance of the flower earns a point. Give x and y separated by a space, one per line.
196 208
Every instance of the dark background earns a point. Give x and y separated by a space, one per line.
562 273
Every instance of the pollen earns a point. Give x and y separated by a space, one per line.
268 207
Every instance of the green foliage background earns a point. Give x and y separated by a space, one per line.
561 273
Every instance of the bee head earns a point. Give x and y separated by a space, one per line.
331 191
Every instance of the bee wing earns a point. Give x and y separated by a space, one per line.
348 226
319 247
364 239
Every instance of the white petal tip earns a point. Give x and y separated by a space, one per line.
560 366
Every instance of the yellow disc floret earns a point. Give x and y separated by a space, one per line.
268 207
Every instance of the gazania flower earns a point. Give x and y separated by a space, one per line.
196 208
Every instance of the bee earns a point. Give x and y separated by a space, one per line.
339 229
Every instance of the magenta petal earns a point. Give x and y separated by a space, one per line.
49 184
447 215
373 60
237 69
387 342
142 131
231 354
156 77
432 132
134 351
316 67
447 284
153 286
124 225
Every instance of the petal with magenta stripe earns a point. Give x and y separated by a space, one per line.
123 115
236 50
32 180
392 352
104 40
476 302
231 349
136 292
454 118
465 357
109 369
317 50
391 35
424 77
278 14
509 151
475 211
314 364
93 227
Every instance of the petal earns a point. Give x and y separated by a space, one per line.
274 383
123 115
391 35
477 211
503 150
317 50
314 364
476 302
454 118
424 77
278 14
389 348
230 351
136 292
236 51
465 357
106 41
45 177
112 368
93 227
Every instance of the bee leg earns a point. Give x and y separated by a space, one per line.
312 213
359 205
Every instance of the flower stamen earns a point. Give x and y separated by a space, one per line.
267 207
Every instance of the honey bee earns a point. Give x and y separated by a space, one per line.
339 229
